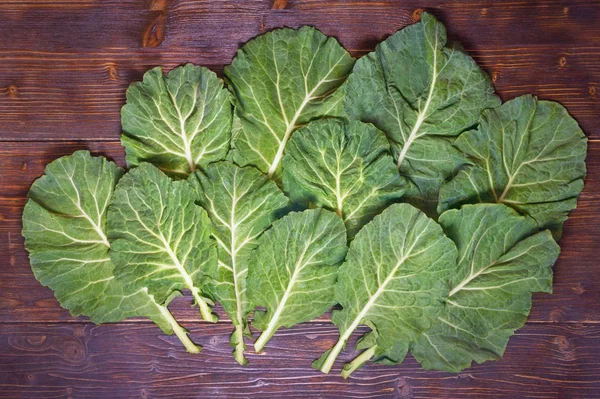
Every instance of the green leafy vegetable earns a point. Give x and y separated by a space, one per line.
527 154
160 240
416 120
394 279
179 122
422 92
502 260
281 81
64 226
371 351
241 203
343 166
293 270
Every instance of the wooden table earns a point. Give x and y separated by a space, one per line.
64 68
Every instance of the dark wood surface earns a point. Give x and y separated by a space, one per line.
64 68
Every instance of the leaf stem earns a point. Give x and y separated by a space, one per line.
422 113
205 310
179 331
240 346
358 361
265 336
335 351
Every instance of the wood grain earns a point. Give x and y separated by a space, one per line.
575 298
73 67
132 360
64 69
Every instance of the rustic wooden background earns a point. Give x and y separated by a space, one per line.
64 68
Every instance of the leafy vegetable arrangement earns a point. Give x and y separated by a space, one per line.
396 186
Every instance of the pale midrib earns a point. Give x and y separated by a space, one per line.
72 293
473 276
514 175
95 226
187 147
469 279
360 205
338 193
355 323
232 223
234 271
288 132
421 118
372 301
167 248
186 277
281 108
337 176
512 178
177 329
281 306
292 124
508 186
97 229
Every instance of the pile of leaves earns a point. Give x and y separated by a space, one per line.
397 186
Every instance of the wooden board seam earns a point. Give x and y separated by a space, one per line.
113 140
199 322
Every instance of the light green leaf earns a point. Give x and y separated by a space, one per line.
421 92
343 166
294 269
281 81
64 226
501 262
527 154
242 203
394 278
159 238
372 352
179 122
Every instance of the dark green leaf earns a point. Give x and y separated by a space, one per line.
64 225
281 81
421 92
242 203
160 240
293 270
343 166
395 278
527 154
179 122
502 260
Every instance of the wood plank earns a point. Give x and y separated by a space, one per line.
136 360
64 74
78 95
64 68
22 299
205 23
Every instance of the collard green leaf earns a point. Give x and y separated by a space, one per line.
501 262
113 246
343 166
281 81
368 342
159 238
527 154
394 278
179 122
373 352
64 226
421 92
242 203
294 269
